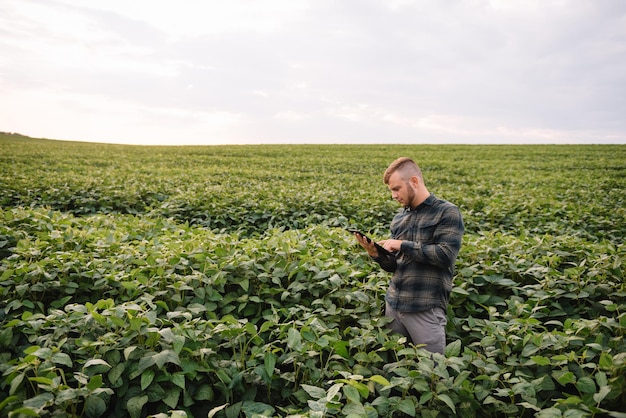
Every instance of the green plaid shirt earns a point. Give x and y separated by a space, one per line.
424 266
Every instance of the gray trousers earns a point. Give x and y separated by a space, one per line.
426 327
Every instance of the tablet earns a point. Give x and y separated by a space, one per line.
381 250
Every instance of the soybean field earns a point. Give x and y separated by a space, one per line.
220 281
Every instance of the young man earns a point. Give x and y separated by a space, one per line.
425 241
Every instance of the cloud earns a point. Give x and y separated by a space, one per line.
302 70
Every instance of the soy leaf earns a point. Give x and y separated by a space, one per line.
136 404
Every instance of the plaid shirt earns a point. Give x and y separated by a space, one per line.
424 266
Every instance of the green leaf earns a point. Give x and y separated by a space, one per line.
541 360
294 339
352 394
66 396
94 406
178 343
406 352
234 410
95 382
460 291
564 377
116 372
217 409
602 393
528 350
62 359
94 366
529 405
6 274
269 362
453 349
586 385
39 402
380 380
606 361
171 397
257 409
179 380
166 356
549 413
204 393
333 391
266 326
42 380
314 391
128 351
447 400
144 363
7 401
16 383
363 389
135 405
341 348
407 406
462 377
425 397
223 376
147 376
572 400
24 411
601 379
5 337
354 410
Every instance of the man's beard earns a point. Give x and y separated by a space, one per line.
410 196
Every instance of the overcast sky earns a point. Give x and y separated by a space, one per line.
308 71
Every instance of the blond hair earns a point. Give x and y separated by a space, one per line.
406 166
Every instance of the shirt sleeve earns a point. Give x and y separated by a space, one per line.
442 252
387 262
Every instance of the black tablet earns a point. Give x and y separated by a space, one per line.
381 250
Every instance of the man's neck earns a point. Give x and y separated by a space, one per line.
420 198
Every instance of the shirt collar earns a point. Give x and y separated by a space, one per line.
428 202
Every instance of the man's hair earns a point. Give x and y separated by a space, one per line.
406 166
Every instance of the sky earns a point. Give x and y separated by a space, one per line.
206 72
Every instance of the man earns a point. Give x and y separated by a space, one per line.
425 241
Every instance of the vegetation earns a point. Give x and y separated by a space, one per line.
220 281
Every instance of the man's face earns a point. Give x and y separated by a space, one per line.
402 190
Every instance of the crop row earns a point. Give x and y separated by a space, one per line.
573 191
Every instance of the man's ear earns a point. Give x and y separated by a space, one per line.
415 181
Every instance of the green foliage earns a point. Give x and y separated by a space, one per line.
220 282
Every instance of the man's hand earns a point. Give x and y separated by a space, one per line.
391 245
368 245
